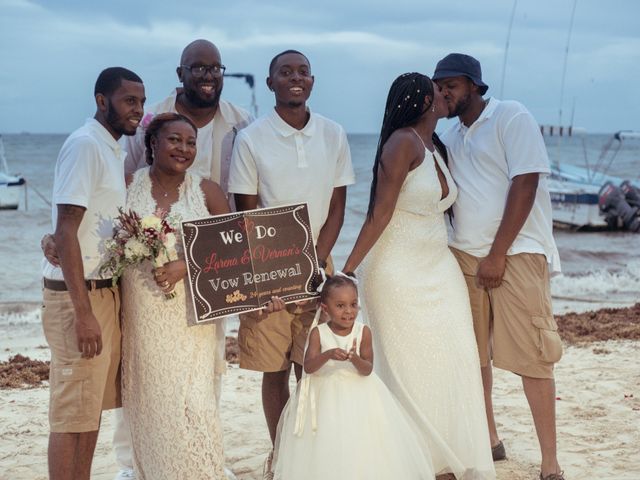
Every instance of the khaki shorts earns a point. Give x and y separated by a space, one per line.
80 388
270 343
514 323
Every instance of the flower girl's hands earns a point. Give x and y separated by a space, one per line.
352 352
337 354
169 274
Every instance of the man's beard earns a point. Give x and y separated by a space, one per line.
460 107
199 102
119 125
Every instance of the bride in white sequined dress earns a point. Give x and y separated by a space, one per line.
167 366
414 294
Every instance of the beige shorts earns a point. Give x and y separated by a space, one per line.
271 343
514 323
80 388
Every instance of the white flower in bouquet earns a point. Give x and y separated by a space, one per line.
137 239
134 248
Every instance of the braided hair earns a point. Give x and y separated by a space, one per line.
156 125
334 282
404 108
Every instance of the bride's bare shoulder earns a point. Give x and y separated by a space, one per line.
402 148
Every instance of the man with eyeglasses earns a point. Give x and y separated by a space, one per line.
201 74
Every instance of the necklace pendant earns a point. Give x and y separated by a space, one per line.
166 194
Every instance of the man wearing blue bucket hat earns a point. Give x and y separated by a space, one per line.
502 237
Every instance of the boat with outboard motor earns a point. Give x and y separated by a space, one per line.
588 198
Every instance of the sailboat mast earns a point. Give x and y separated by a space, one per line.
506 48
4 168
566 58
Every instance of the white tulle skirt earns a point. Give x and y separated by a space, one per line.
361 433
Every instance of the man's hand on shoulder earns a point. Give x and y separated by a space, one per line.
491 270
48 246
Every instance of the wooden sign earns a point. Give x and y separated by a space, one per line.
238 261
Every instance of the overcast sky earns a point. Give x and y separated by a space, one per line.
51 52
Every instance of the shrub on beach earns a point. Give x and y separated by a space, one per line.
601 325
20 371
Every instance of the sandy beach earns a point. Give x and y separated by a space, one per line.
598 408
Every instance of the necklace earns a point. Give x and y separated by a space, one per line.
165 193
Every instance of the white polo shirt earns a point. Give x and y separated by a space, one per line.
89 173
283 165
502 143
214 143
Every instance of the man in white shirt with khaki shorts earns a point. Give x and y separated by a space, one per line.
502 237
80 315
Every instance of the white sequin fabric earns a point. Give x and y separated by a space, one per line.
168 366
415 299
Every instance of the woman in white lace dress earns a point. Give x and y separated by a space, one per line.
414 294
168 366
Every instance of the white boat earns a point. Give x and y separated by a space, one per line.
588 198
575 205
11 186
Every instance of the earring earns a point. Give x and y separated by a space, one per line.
433 108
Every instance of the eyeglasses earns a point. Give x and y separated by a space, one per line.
199 71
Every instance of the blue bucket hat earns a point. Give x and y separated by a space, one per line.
461 65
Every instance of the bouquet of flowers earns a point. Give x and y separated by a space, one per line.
136 239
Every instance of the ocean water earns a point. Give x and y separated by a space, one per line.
599 268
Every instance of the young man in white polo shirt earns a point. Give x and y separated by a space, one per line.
290 155
80 313
502 237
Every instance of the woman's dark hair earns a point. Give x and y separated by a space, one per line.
405 106
156 125
334 282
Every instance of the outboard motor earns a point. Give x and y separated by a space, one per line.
631 193
618 213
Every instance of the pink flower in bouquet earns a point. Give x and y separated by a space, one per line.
146 120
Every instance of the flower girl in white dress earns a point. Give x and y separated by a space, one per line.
343 422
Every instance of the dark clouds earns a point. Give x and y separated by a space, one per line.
51 54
